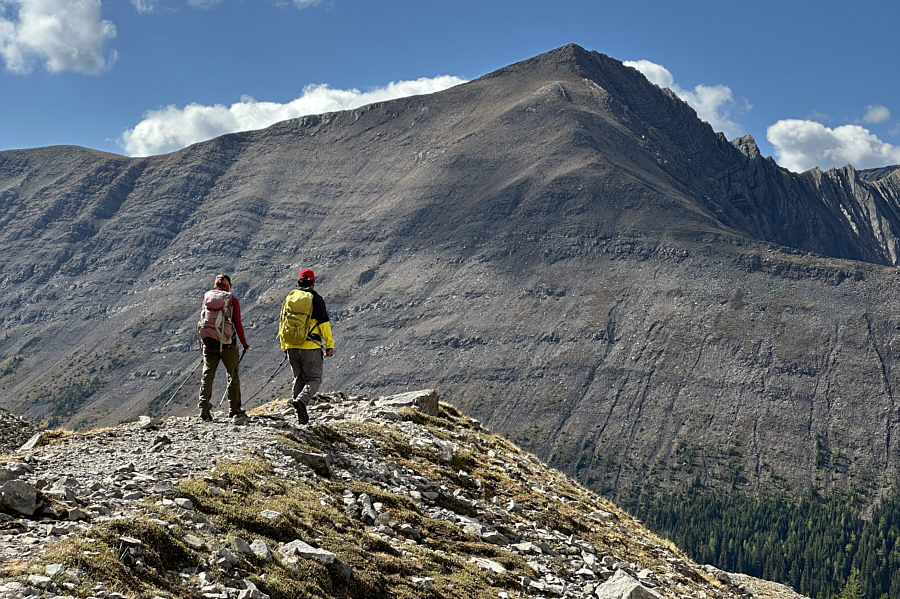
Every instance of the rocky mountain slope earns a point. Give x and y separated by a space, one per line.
392 497
564 247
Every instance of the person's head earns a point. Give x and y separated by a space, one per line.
223 282
306 278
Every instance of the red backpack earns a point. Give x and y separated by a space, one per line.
216 316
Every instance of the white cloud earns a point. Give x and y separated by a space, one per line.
149 6
817 115
144 6
172 128
712 102
876 113
655 73
801 145
64 35
203 4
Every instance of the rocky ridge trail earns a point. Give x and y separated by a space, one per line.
399 496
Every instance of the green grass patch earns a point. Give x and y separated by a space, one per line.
392 441
141 570
382 568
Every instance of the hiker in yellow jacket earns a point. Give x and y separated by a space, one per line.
305 334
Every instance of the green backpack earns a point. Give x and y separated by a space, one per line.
293 327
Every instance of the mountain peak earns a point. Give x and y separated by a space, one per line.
747 146
571 57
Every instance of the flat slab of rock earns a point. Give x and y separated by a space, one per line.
488 564
303 549
299 549
148 423
623 586
317 462
425 401
35 440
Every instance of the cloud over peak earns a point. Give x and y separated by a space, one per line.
172 128
801 145
713 103
63 35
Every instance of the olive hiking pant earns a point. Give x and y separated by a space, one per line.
213 351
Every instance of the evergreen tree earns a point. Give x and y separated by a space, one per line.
814 544
853 589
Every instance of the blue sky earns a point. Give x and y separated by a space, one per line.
814 82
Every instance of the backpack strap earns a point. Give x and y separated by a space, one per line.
321 341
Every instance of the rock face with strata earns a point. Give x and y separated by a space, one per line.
564 247
492 518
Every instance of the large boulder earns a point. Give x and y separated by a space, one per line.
425 401
19 497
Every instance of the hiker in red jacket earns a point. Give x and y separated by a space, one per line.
219 330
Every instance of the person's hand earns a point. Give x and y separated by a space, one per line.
329 352
246 348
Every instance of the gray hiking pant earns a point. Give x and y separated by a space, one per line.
213 351
307 366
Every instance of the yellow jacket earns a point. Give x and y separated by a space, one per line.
320 331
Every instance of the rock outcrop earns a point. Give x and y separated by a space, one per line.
14 431
412 505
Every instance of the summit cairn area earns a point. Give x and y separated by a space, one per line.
399 496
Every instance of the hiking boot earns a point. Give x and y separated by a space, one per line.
206 416
239 417
302 416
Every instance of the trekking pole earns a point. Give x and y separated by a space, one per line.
280 364
183 382
228 384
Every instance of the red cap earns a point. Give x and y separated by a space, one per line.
306 275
